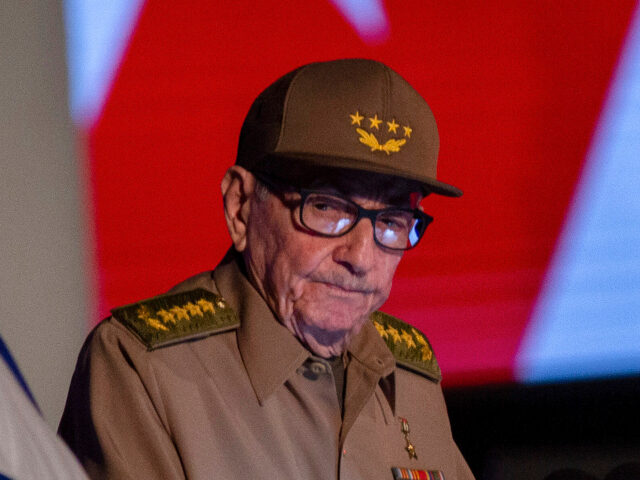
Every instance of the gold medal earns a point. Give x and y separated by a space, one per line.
411 450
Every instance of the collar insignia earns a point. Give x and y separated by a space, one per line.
368 138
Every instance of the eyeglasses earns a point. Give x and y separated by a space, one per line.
331 215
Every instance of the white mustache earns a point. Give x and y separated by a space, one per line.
344 282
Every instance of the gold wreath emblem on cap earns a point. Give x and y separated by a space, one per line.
369 139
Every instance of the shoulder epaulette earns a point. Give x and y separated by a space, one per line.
408 344
179 317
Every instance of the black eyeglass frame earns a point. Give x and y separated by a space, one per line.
371 214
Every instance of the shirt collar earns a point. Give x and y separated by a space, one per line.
370 349
269 351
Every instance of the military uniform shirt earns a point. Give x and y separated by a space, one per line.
250 403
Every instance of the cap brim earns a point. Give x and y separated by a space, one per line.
275 166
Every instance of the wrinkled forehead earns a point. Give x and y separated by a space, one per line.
352 183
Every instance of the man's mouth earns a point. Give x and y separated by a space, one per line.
346 287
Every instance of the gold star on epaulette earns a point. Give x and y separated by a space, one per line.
393 332
408 338
383 333
375 122
393 126
409 346
407 131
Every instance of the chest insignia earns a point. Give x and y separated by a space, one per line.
400 473
409 345
411 450
175 318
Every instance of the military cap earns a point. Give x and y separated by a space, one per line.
350 114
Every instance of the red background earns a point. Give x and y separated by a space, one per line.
516 88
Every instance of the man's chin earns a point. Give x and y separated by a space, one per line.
331 340
325 350
339 317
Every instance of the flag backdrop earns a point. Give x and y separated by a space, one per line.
533 275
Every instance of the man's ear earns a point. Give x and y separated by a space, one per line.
237 187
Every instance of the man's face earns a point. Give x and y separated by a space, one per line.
323 289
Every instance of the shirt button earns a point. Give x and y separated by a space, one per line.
318 368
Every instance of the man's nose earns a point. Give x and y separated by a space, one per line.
357 249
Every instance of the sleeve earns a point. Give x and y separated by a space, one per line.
110 420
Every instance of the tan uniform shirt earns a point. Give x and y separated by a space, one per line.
249 403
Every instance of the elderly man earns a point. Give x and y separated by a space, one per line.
277 364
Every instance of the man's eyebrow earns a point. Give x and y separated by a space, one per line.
394 199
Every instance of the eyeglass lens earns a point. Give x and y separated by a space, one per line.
334 216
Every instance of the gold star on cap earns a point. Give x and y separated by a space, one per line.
356 119
407 131
393 126
375 121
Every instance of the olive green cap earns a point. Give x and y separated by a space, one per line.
353 113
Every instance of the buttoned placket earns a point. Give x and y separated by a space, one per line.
313 367
271 357
319 373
